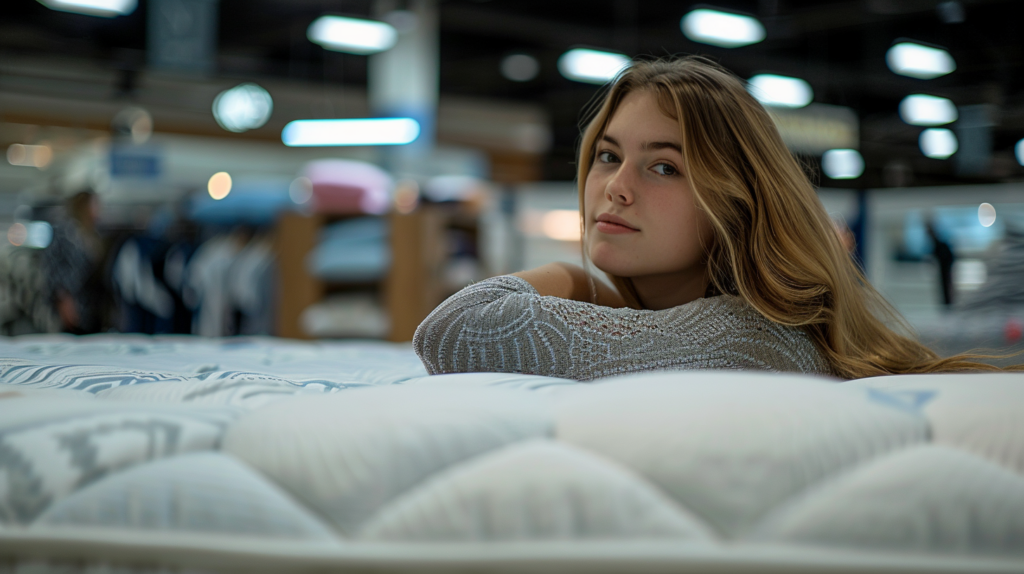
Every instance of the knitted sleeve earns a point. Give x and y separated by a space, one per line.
503 325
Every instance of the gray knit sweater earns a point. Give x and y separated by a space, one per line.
503 324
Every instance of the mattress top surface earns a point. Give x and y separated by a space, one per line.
259 448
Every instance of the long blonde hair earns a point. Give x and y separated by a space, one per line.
774 245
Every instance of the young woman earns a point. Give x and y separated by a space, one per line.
720 252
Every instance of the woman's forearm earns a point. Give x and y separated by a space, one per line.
569 282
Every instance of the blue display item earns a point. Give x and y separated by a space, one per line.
135 162
355 250
958 226
256 202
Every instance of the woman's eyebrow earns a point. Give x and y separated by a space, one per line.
646 146
649 146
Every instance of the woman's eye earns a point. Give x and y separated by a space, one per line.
665 169
606 157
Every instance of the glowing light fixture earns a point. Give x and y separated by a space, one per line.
352 35
29 155
917 61
782 91
562 224
922 110
842 163
986 214
1018 150
721 28
301 190
243 107
520 67
219 185
938 143
591 66
102 8
381 131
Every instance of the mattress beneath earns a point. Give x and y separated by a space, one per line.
140 454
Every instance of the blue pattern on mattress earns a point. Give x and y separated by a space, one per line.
100 363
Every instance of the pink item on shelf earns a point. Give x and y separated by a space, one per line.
344 186
1013 330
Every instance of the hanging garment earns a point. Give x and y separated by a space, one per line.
250 286
145 302
206 285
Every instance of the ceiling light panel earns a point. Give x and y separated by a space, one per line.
917 61
938 143
842 164
782 91
591 66
924 110
102 8
244 107
356 132
352 35
721 28
520 67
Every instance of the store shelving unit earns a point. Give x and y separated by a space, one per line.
414 285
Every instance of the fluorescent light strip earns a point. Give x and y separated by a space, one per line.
783 91
352 35
721 28
368 132
917 61
103 8
591 66
924 110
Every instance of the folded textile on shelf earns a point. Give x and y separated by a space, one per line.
354 250
355 315
345 186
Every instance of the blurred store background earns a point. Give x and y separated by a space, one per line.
334 168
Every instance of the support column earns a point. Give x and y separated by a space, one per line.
403 81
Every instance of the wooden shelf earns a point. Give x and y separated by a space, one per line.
411 290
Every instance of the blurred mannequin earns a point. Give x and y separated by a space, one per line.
72 266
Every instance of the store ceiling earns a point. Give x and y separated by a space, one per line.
837 46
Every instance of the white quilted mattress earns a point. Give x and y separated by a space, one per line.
137 454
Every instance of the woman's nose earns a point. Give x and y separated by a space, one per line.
620 188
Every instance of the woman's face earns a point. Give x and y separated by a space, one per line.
640 215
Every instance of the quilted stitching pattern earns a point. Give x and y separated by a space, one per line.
352 443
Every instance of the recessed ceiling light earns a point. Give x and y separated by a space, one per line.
520 67
842 163
352 35
917 61
772 90
243 107
923 110
355 132
938 143
102 8
591 66
1018 150
722 28
219 185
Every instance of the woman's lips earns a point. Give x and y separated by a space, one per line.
613 228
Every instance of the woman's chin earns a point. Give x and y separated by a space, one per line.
610 266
